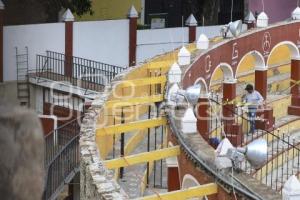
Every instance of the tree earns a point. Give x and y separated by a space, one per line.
78 7
207 9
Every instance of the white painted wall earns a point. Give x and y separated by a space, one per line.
38 38
213 31
153 42
209 31
104 41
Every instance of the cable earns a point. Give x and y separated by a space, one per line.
231 10
233 190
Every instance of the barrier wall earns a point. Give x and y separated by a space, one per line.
38 38
104 41
158 41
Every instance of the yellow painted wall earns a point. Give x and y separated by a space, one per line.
162 64
110 9
279 55
245 70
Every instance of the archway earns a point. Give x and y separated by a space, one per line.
279 67
222 73
203 86
223 87
190 181
202 110
251 70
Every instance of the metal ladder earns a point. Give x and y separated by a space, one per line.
23 90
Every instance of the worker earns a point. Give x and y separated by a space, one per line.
252 100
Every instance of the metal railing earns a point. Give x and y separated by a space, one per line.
61 157
283 151
80 72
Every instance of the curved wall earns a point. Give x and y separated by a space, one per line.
232 51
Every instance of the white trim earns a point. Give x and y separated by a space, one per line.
261 68
227 73
295 58
230 81
172 162
292 47
190 178
259 60
200 79
65 87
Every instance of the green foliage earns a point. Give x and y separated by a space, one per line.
80 7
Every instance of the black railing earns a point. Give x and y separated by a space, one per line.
283 151
61 157
58 138
80 72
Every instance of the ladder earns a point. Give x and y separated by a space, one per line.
23 89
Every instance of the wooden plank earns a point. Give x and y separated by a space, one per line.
142 81
197 191
142 157
134 101
131 126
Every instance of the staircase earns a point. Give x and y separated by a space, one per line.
22 77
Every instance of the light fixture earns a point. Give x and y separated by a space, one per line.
235 28
192 94
255 153
175 95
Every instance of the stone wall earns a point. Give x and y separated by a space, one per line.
93 181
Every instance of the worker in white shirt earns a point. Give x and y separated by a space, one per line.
253 99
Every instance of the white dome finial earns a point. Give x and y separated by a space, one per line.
174 74
250 18
184 56
296 13
68 16
262 20
291 188
202 42
189 122
191 21
132 13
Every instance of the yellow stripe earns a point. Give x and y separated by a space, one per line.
134 101
197 191
125 128
143 81
142 157
159 65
